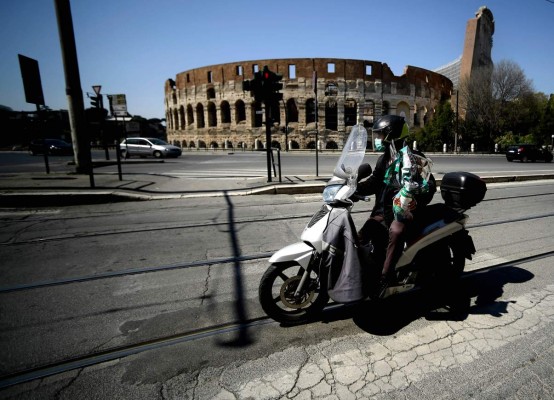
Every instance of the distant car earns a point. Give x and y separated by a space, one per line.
144 147
55 147
528 152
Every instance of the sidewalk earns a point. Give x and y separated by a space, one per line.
63 188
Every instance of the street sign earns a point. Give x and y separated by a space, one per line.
118 105
96 89
31 80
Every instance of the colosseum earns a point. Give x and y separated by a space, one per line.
207 108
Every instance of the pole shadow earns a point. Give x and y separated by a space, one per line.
243 337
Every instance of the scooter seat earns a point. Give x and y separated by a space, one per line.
430 218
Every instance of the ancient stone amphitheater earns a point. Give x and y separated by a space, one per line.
207 108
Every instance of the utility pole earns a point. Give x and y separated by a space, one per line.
79 134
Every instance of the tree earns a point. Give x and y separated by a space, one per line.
546 125
489 98
439 131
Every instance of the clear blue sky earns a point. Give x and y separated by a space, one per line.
133 46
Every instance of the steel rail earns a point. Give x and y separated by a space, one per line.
217 261
200 224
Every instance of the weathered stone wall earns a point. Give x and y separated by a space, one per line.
206 107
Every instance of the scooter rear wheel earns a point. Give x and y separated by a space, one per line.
277 294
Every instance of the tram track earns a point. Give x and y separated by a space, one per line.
202 263
99 357
203 224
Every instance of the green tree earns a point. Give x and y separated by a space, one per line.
439 131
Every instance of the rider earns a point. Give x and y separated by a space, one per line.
393 171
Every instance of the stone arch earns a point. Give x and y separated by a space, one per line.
212 114
214 145
294 145
403 110
275 144
190 115
175 119
386 108
200 116
182 117
350 112
310 111
191 144
257 119
331 115
201 144
311 145
292 110
275 112
240 111
168 119
331 89
210 93
225 112
331 145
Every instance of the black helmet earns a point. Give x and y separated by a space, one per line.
392 127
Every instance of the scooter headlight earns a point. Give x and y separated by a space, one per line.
330 192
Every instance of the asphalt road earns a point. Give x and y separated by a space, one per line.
225 164
200 307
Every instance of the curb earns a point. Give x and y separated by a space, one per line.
48 198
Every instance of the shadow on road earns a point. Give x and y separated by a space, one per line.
243 337
449 304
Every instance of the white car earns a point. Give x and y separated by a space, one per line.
144 147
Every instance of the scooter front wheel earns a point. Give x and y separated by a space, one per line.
278 297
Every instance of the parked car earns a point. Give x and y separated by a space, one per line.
528 152
52 146
144 147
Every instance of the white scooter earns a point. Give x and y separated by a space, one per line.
298 283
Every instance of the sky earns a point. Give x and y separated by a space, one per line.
132 47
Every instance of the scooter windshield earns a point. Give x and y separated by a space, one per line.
352 154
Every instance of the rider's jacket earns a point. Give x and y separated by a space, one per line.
385 189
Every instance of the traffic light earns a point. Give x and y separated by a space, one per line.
265 86
96 101
271 85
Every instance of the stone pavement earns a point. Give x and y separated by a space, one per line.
481 357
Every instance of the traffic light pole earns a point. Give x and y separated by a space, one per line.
268 138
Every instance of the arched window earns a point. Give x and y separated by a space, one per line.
225 112
175 119
275 112
292 111
200 116
190 115
403 109
240 111
256 113
331 115
331 89
386 108
350 111
212 116
182 117
310 111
